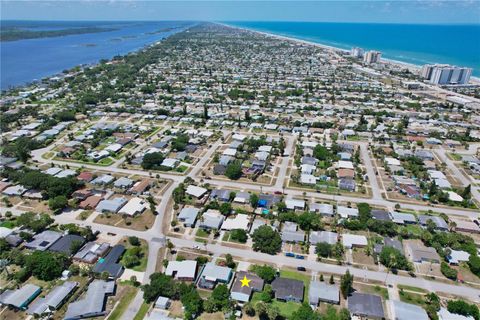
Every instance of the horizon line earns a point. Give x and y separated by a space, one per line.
268 21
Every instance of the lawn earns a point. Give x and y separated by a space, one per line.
286 308
298 276
123 303
202 233
410 288
455 156
376 290
142 311
10 224
410 297
143 260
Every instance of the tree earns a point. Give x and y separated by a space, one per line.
266 272
331 281
254 200
323 249
239 235
134 241
309 221
346 284
219 299
305 312
37 223
463 308
57 203
46 265
225 208
234 170
448 272
152 160
266 240
474 264
392 258
229 261
179 193
192 302
320 152
160 284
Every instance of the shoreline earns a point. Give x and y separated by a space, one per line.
415 67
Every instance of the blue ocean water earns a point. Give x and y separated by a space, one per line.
415 44
23 61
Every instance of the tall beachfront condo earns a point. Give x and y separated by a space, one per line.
372 57
357 52
446 74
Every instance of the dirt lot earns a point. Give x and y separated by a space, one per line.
360 257
140 222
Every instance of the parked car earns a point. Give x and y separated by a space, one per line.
289 254
299 257
301 269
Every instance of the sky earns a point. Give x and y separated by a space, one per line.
375 11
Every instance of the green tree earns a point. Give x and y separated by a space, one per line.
254 200
266 240
134 241
152 160
323 249
46 265
58 203
474 264
225 208
239 235
266 272
321 153
234 170
219 300
392 258
305 312
448 272
463 308
346 284
160 284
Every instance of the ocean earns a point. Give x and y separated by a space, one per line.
24 61
411 43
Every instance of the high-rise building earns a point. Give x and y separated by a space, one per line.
372 57
357 52
446 74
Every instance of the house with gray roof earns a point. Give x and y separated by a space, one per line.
213 274
244 293
182 270
388 242
220 194
419 253
43 240
94 302
320 291
291 232
111 205
381 215
20 298
323 236
123 183
104 179
188 215
286 289
365 305
407 311
110 263
403 218
91 252
211 219
325 209
64 244
53 300
438 221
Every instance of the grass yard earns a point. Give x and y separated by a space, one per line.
410 288
286 308
144 256
202 233
375 290
124 302
410 297
142 311
10 224
84 215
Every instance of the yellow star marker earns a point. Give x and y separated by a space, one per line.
245 282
